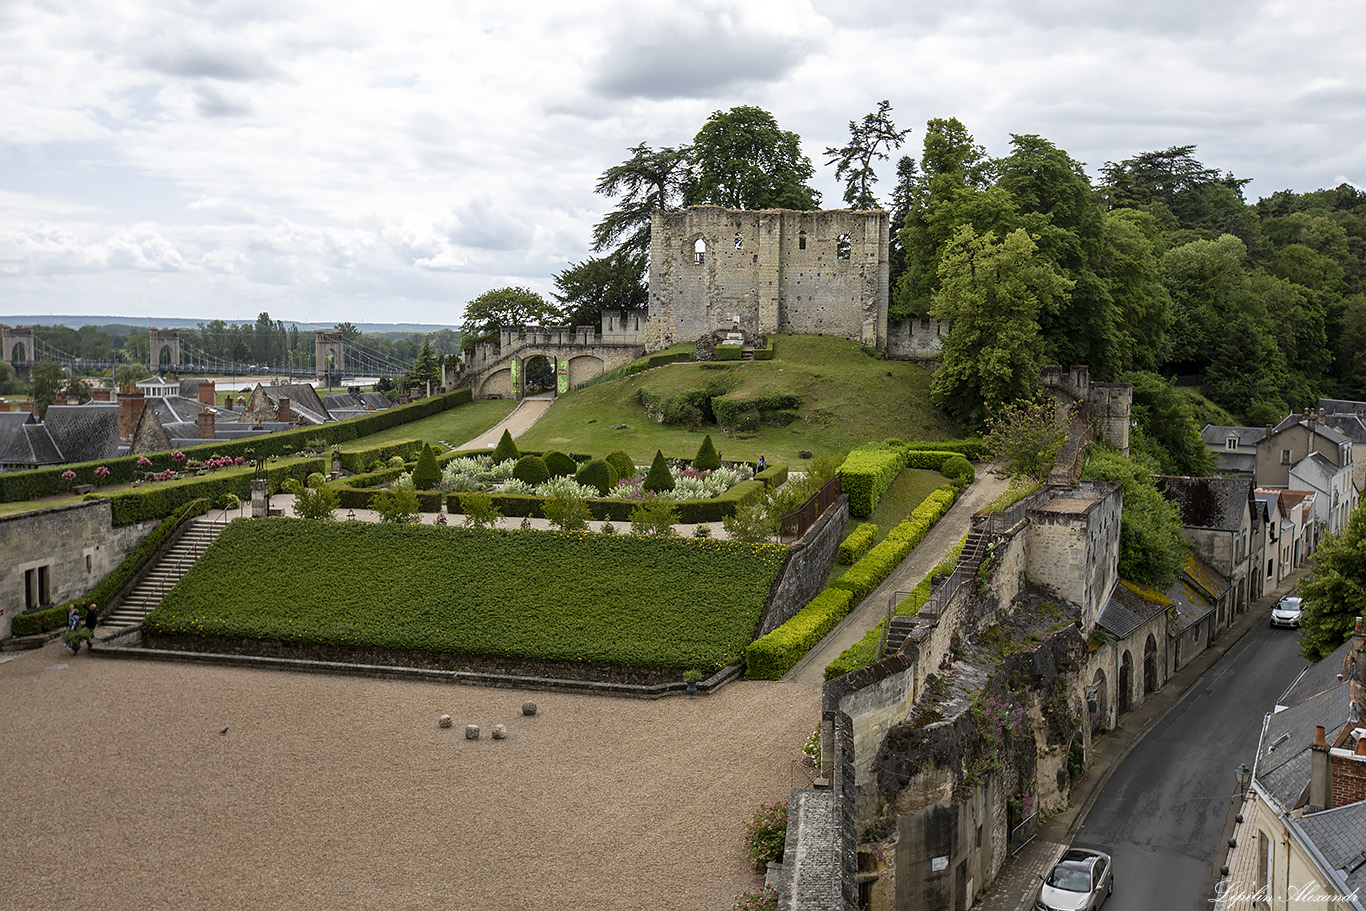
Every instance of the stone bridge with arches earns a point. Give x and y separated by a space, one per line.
576 355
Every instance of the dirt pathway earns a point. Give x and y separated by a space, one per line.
517 423
947 532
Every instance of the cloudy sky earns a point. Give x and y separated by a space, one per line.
328 161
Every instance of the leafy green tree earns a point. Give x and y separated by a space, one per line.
658 478
1152 540
426 476
612 282
707 458
315 501
1247 369
1025 436
46 381
650 181
396 506
502 308
654 517
427 367
479 509
741 159
567 512
853 162
1175 179
1335 591
348 331
1207 281
76 388
991 295
1128 265
1166 428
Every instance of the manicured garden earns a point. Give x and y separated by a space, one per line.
533 595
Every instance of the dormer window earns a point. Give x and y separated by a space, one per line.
1231 442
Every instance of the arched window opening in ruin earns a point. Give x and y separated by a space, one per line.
842 246
739 242
801 240
699 251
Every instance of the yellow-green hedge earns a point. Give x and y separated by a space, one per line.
771 656
867 473
857 542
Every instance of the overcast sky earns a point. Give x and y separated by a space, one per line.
386 162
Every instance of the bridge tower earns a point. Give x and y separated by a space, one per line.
329 354
163 350
18 348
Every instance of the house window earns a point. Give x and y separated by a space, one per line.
843 246
801 240
699 251
37 586
1231 443
1285 453
1263 862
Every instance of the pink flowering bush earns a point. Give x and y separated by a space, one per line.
766 834
101 473
68 476
177 456
143 461
765 899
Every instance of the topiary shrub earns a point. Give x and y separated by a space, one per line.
958 470
598 473
396 461
658 478
623 463
706 458
506 449
559 464
531 469
426 476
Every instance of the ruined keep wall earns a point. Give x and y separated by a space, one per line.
1073 546
774 270
78 545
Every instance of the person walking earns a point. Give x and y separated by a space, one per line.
73 622
92 616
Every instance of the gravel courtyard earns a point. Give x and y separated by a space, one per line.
333 793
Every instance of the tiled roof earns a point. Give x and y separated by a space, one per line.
84 433
1316 677
1126 611
1282 766
1208 502
1340 836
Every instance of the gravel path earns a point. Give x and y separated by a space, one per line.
335 792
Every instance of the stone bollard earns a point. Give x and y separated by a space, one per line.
528 708
444 721
471 732
499 732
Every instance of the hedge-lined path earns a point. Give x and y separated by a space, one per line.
517 423
135 785
921 561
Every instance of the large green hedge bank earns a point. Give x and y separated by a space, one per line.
44 482
602 599
869 471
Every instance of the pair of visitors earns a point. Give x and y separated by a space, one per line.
92 616
73 622
762 464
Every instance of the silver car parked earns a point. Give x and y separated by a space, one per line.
1081 880
1288 612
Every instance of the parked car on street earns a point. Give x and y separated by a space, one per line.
1288 612
1081 880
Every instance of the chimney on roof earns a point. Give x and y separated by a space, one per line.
27 407
4 405
285 415
100 395
130 410
205 420
1320 772
206 391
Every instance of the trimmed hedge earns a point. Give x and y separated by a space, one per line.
55 617
857 542
765 353
531 469
43 482
560 465
958 470
729 352
865 575
623 463
869 471
774 476
598 473
358 460
733 413
690 512
161 498
771 656
972 449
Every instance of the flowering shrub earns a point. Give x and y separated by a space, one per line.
564 487
177 456
143 461
766 899
766 833
101 473
68 476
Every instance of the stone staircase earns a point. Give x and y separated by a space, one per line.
169 570
974 551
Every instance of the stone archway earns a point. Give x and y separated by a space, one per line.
497 384
1150 683
1098 701
583 368
538 372
1126 682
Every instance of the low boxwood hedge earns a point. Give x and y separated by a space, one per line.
972 448
358 460
160 498
857 543
690 512
55 617
771 656
774 476
865 575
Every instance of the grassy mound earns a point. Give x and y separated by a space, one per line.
846 398
603 599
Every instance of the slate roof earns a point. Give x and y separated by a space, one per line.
1190 605
84 433
1127 610
1217 435
1349 425
1341 406
1282 766
1208 502
1340 836
1316 677
1320 427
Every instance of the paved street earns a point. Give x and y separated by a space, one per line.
1159 793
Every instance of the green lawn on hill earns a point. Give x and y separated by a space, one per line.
847 397
454 425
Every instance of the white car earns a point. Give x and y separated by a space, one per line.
1288 612
1081 880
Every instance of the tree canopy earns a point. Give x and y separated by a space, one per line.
868 138
503 307
1335 591
741 159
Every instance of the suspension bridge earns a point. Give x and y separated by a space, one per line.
336 358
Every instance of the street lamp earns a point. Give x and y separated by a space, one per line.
1244 776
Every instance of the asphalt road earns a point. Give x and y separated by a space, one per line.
1162 815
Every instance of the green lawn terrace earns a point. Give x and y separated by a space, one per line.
571 605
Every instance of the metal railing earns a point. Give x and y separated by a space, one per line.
799 521
1024 833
